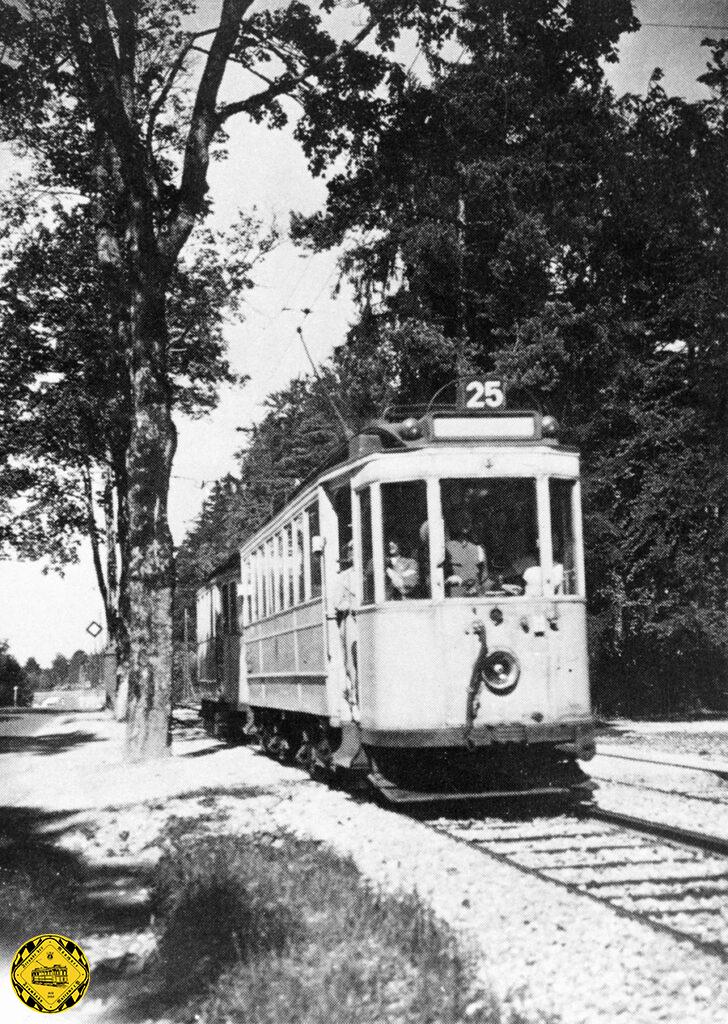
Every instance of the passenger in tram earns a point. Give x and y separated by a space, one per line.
402 573
533 579
465 564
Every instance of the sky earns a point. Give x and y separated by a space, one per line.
43 614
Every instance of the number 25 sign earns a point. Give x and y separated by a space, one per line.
478 394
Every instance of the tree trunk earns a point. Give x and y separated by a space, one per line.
149 463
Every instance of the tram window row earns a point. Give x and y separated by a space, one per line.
491 545
284 571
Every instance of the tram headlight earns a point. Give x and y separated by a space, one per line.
410 429
500 672
549 426
496 616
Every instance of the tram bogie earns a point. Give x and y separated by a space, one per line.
417 613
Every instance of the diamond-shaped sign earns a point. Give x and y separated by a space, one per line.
93 629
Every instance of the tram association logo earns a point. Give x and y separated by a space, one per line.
50 973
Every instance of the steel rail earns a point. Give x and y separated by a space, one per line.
661 830
719 768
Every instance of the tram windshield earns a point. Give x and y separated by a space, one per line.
491 537
491 540
406 540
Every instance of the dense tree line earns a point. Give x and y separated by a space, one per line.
62 674
14 683
514 215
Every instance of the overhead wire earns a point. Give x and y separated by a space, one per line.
670 24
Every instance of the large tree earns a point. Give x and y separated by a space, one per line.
65 382
141 116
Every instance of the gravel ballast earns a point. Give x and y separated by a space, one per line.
707 739
542 947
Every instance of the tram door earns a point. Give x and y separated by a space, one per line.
343 689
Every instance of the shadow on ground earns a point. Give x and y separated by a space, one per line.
47 888
44 887
58 743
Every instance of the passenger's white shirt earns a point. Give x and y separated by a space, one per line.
533 578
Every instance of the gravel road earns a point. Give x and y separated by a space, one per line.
543 948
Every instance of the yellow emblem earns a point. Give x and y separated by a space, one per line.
50 973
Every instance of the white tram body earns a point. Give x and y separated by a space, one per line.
454 645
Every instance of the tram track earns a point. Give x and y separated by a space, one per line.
691 764
671 878
717 795
708 793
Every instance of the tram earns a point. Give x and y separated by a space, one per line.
416 614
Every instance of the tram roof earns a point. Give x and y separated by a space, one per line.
231 562
382 437
389 436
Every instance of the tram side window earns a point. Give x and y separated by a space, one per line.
406 548
367 549
288 562
280 582
265 563
491 537
314 530
247 593
342 507
300 562
260 582
562 536
224 626
253 585
232 608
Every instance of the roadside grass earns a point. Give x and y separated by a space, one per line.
39 890
41 884
274 929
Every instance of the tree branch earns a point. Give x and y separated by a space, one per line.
156 107
105 96
203 126
248 67
93 535
125 13
288 82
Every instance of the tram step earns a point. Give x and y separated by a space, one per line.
397 795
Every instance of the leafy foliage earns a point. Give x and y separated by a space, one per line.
114 103
513 215
66 383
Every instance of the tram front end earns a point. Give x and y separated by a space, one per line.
471 618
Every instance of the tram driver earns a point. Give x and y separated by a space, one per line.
465 563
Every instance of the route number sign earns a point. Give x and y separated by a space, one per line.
481 394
